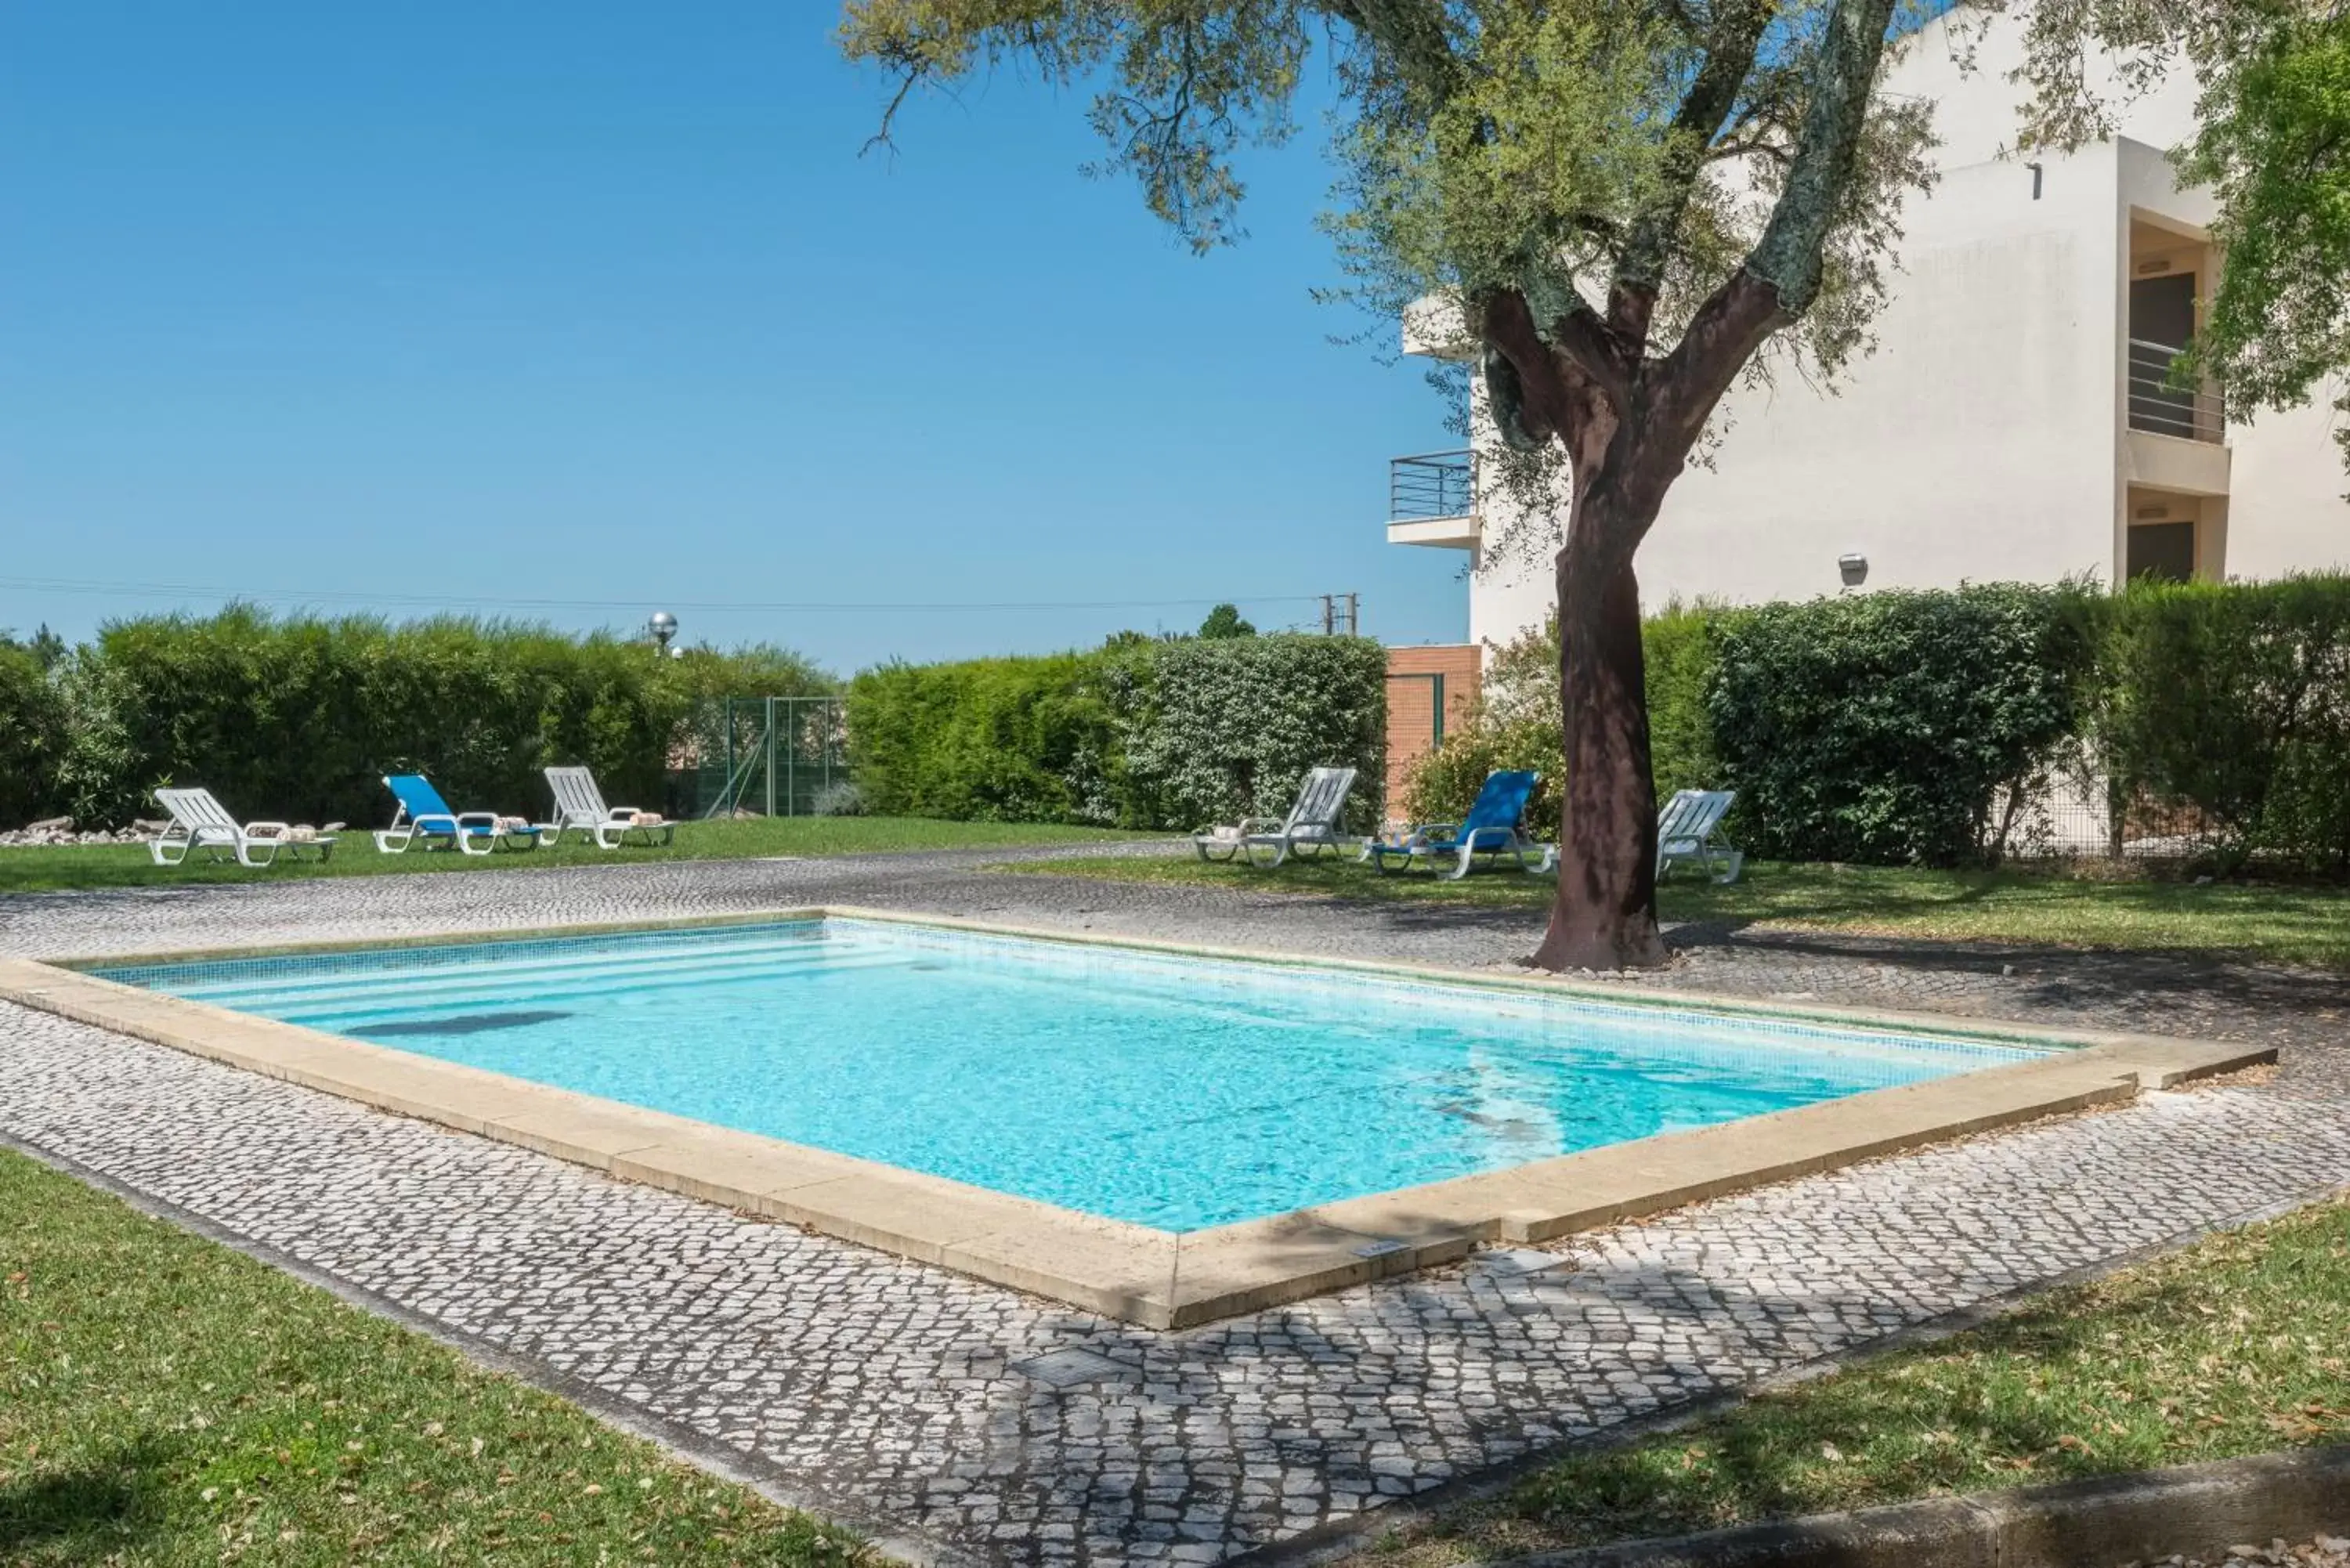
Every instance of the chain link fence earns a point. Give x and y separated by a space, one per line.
2080 812
764 756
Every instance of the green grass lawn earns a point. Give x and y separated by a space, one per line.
164 1400
2232 1347
2295 924
49 869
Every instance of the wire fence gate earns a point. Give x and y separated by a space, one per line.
771 756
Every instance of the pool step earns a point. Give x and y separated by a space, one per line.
527 980
493 961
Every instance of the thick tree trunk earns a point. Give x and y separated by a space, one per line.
1605 915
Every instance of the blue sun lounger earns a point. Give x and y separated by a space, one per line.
424 817
1491 827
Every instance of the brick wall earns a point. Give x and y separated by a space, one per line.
1411 712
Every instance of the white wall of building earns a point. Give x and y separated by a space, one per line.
2286 496
1985 438
1977 440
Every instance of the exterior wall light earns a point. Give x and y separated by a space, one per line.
1853 566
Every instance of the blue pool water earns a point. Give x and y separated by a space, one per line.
1173 1092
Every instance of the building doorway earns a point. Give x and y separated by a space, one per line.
2162 552
2161 324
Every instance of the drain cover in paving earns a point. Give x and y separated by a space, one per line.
1067 1368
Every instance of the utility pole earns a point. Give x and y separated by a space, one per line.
1330 614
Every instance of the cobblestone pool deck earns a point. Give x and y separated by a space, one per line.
914 1403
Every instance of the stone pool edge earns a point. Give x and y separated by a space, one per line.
1155 1279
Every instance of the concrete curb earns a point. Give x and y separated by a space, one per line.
2198 1509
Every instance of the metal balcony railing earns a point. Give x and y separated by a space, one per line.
1431 485
2191 413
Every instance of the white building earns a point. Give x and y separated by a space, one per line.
2013 423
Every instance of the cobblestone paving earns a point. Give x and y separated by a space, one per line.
893 1394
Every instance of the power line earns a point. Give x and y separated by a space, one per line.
455 601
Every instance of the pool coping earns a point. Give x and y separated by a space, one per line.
1157 1279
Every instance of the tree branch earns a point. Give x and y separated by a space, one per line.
1787 257
1542 398
1415 33
1598 350
1677 394
1731 45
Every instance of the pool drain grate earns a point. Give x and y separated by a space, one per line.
1067 1368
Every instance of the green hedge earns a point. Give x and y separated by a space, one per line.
32 738
1517 721
1881 727
1902 727
1885 727
299 718
987 740
1138 733
2231 704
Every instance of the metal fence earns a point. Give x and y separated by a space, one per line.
1431 485
2077 814
2191 413
764 756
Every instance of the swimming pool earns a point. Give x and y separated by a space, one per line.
1163 1090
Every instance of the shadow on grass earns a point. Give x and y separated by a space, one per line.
91 1512
2137 985
2055 1393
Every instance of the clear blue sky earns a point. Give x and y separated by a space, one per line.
598 302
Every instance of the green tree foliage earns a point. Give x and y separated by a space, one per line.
299 717
1224 620
1144 734
2274 144
47 648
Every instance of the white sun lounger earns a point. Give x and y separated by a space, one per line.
201 822
1688 828
1311 826
578 804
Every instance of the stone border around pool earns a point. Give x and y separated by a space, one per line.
1157 1279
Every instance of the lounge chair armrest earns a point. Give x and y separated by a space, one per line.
620 813
1264 824
440 821
266 829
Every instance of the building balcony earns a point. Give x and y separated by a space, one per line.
2178 434
1432 500
2159 407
